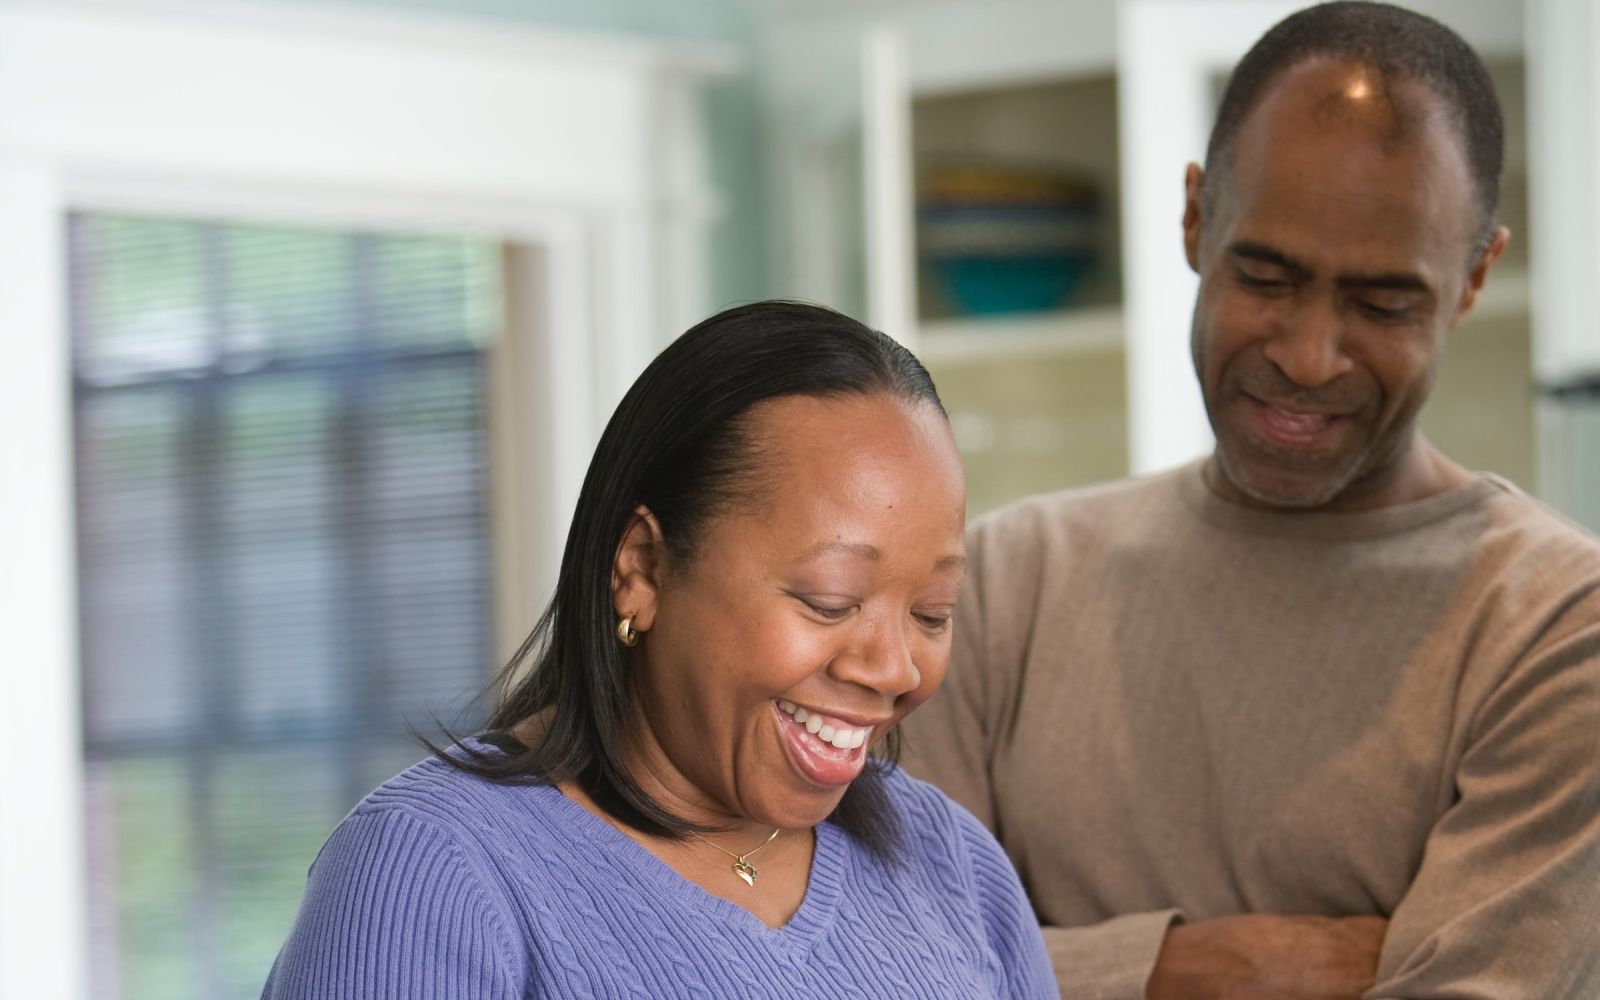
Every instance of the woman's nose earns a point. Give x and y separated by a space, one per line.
881 660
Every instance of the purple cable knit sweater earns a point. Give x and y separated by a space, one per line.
440 885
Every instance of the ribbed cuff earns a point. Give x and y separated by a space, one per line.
1108 961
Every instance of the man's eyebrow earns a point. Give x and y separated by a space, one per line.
1267 255
1399 281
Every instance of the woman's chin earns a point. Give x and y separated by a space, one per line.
801 813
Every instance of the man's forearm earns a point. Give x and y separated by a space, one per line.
1268 957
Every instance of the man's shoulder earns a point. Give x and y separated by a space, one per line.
1519 528
1100 507
1515 507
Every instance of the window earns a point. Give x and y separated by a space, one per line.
283 550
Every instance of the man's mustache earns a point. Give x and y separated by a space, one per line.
1269 385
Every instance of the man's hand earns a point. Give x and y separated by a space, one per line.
1267 957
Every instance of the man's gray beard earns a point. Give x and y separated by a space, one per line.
1334 489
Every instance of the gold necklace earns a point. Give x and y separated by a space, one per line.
741 862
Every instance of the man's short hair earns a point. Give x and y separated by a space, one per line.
1393 43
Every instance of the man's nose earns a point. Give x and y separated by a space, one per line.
1309 346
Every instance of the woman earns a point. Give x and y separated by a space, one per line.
692 792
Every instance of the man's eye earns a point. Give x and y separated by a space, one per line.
1261 283
1383 312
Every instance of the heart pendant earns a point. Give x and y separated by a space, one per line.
746 871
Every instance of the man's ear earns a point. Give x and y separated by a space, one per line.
1194 185
1496 246
636 571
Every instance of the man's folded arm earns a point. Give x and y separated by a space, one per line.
1505 903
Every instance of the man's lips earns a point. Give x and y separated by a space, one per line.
1295 426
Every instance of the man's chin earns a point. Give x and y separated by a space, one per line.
1260 482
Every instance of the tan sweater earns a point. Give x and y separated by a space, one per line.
1166 705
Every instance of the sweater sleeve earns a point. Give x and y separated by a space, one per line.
1112 960
1505 902
393 911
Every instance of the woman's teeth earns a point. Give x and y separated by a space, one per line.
840 736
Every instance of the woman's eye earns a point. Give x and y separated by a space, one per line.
829 612
934 621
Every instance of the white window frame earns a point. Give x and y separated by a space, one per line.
586 156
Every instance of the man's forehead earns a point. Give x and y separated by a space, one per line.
1333 149
1347 232
1362 101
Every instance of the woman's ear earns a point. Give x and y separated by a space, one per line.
636 571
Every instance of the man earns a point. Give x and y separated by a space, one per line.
1319 715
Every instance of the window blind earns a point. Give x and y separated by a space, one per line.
283 548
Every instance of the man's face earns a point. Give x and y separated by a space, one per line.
1333 259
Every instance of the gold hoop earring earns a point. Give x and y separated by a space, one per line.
625 633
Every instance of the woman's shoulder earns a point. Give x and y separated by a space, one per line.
918 796
938 827
436 794
407 883
440 821
955 866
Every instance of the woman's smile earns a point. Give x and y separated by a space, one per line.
826 750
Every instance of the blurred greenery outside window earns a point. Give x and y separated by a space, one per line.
283 550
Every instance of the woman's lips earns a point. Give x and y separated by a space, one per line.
820 761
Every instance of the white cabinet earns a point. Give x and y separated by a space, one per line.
1008 100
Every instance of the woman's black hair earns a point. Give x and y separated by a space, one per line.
678 444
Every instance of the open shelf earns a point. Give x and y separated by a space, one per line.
1062 130
1020 336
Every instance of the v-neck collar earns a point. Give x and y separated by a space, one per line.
638 871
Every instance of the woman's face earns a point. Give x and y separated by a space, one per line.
810 620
